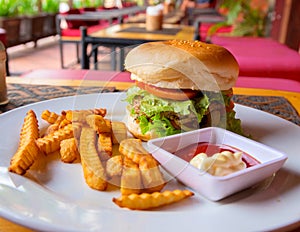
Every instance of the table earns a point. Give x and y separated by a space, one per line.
174 17
292 97
103 14
129 34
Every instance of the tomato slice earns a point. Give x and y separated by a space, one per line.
174 94
230 106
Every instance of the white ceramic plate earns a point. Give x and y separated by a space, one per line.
57 199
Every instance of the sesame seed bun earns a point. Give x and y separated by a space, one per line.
179 64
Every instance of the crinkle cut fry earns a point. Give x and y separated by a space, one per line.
51 142
104 146
69 150
152 177
133 149
77 126
27 151
30 128
131 178
146 201
49 117
114 166
60 122
99 123
80 115
93 170
119 132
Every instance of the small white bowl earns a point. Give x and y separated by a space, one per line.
215 187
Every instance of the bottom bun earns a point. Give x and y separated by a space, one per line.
135 130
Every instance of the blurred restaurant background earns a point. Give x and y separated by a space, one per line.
39 35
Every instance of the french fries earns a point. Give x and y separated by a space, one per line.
151 200
80 115
69 150
60 122
51 142
93 169
114 166
104 146
133 149
98 123
57 121
27 151
50 117
131 178
106 154
152 177
119 132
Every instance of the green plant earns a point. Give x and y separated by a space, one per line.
50 6
99 3
245 19
80 4
8 8
27 7
87 3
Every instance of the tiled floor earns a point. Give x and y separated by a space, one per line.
46 55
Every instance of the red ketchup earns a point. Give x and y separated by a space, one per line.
192 150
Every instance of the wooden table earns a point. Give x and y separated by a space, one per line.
128 34
293 97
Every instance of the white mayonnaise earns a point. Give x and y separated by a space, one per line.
220 164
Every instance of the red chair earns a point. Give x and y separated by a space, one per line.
71 33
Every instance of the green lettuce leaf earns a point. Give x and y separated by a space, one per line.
151 110
151 116
234 124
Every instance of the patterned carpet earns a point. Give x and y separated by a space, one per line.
21 94
278 106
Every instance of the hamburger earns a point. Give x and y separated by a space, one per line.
180 86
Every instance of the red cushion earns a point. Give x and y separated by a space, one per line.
129 4
204 27
72 74
64 74
3 36
268 83
262 57
97 75
91 29
88 9
74 24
